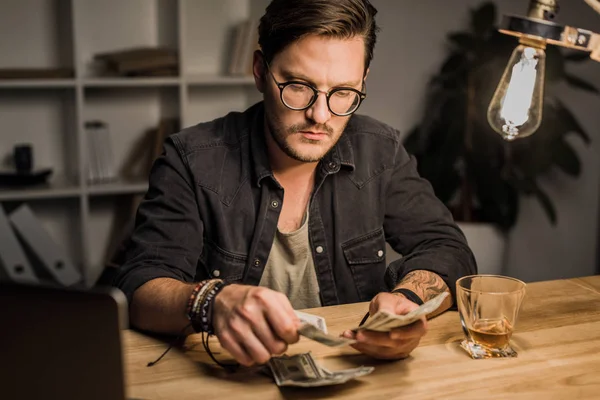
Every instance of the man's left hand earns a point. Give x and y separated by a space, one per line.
397 343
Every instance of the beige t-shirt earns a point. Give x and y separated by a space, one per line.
290 268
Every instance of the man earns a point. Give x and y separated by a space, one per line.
292 201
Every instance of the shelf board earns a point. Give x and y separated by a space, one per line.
218 80
56 189
37 83
130 82
118 187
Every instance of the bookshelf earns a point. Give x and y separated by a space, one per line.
50 113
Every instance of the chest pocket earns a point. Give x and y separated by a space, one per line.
219 263
365 256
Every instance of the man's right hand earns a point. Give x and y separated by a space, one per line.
254 323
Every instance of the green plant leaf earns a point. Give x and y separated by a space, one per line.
413 141
498 172
555 64
568 119
531 188
545 202
497 198
497 47
462 40
566 158
580 83
453 64
483 18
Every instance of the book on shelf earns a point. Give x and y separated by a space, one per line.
101 166
140 61
146 149
244 42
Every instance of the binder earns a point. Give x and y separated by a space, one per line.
12 256
50 254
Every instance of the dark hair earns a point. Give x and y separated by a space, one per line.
286 21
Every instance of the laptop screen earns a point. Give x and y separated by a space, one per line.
58 343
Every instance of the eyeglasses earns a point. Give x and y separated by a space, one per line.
298 96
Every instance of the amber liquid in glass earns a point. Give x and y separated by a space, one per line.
492 333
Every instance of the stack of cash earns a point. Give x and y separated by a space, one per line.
314 327
312 332
384 321
303 371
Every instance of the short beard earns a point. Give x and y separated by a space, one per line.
280 139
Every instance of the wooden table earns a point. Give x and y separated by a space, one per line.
557 337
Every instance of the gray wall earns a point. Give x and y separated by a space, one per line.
410 49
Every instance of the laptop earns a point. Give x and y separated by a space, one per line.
59 343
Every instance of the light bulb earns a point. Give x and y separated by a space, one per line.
516 108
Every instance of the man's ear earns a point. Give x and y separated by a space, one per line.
259 70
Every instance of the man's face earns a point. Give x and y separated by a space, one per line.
324 63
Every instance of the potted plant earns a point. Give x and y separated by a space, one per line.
475 172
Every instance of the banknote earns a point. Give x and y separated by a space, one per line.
312 332
303 371
384 321
317 321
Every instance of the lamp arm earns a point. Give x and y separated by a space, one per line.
539 26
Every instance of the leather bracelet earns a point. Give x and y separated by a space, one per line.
409 294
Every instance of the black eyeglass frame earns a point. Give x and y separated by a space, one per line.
283 85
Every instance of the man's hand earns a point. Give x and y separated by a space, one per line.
399 342
253 323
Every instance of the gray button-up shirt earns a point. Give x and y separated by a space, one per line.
213 205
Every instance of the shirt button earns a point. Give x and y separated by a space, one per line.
332 165
274 204
319 249
256 262
380 253
216 273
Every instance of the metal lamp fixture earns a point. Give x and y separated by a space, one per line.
516 107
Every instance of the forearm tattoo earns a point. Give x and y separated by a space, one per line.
425 284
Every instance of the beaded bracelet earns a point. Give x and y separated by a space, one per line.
207 307
201 315
193 296
199 299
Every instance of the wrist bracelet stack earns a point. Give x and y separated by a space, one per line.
200 305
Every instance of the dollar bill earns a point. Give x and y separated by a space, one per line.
384 321
303 371
312 332
315 320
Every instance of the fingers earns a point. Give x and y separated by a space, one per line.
255 323
238 338
281 317
265 334
235 349
394 337
385 353
415 330
396 344
380 345
394 303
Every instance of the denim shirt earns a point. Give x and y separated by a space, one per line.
213 203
